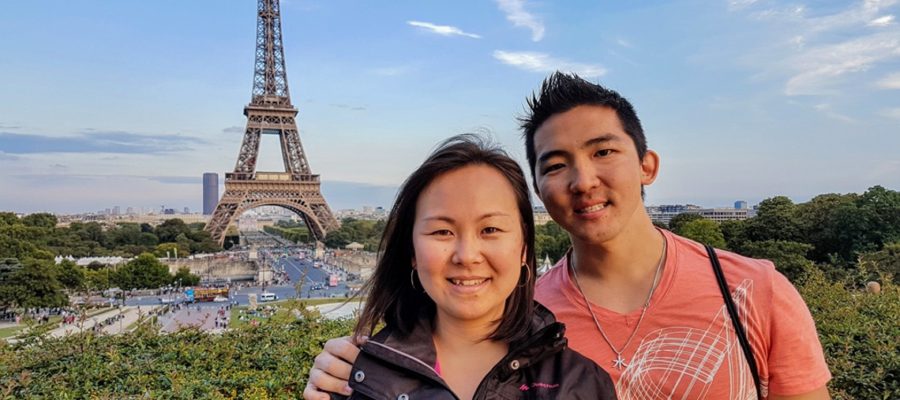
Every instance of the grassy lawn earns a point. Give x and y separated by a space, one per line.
10 331
15 330
53 322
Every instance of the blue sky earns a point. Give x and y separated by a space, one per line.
127 103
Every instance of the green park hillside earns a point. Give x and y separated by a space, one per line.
831 247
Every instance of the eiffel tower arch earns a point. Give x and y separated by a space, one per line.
270 112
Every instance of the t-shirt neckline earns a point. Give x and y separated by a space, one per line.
670 270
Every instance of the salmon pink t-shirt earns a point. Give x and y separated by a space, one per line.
686 347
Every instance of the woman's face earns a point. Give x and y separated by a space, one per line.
468 242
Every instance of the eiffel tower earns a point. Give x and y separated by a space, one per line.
270 112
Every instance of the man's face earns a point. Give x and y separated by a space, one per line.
588 173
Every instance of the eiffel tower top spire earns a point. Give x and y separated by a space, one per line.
270 86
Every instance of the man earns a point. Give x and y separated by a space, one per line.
643 303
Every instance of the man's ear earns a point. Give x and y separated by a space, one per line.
649 167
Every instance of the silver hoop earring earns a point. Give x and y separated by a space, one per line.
412 278
528 273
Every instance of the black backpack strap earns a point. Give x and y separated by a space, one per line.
735 320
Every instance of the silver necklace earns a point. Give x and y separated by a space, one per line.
619 362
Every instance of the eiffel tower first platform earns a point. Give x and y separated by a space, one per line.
270 112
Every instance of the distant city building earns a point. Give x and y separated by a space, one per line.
168 211
664 213
366 213
187 210
210 192
248 222
541 216
116 210
726 214
129 211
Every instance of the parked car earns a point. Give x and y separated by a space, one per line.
267 297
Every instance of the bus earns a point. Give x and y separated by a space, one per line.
193 295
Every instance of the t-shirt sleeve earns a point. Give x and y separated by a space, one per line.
796 361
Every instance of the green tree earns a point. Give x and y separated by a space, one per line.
8 218
776 219
789 257
881 209
679 220
70 275
337 239
202 242
734 234
16 241
185 278
550 240
34 285
148 239
704 231
145 271
97 280
40 220
92 231
124 234
833 224
169 230
8 268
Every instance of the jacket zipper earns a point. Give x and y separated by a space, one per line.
420 362
479 391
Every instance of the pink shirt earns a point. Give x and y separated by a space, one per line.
686 348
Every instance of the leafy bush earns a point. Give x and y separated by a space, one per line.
859 332
270 361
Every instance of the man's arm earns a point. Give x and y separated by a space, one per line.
818 394
331 369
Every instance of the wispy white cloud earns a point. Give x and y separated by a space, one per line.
892 81
830 113
891 113
624 43
818 68
738 4
822 51
515 13
544 63
882 21
443 30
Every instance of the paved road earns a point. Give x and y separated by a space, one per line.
203 316
293 267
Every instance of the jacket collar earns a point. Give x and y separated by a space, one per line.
416 351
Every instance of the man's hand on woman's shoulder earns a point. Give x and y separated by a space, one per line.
331 369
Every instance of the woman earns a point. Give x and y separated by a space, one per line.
454 287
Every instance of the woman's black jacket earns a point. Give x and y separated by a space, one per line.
537 367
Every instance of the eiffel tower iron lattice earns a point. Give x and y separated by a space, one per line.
270 112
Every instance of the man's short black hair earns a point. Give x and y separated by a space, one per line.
562 92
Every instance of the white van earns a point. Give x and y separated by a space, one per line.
267 297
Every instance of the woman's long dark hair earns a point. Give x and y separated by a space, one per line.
391 298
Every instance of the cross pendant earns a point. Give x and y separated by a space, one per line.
619 362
